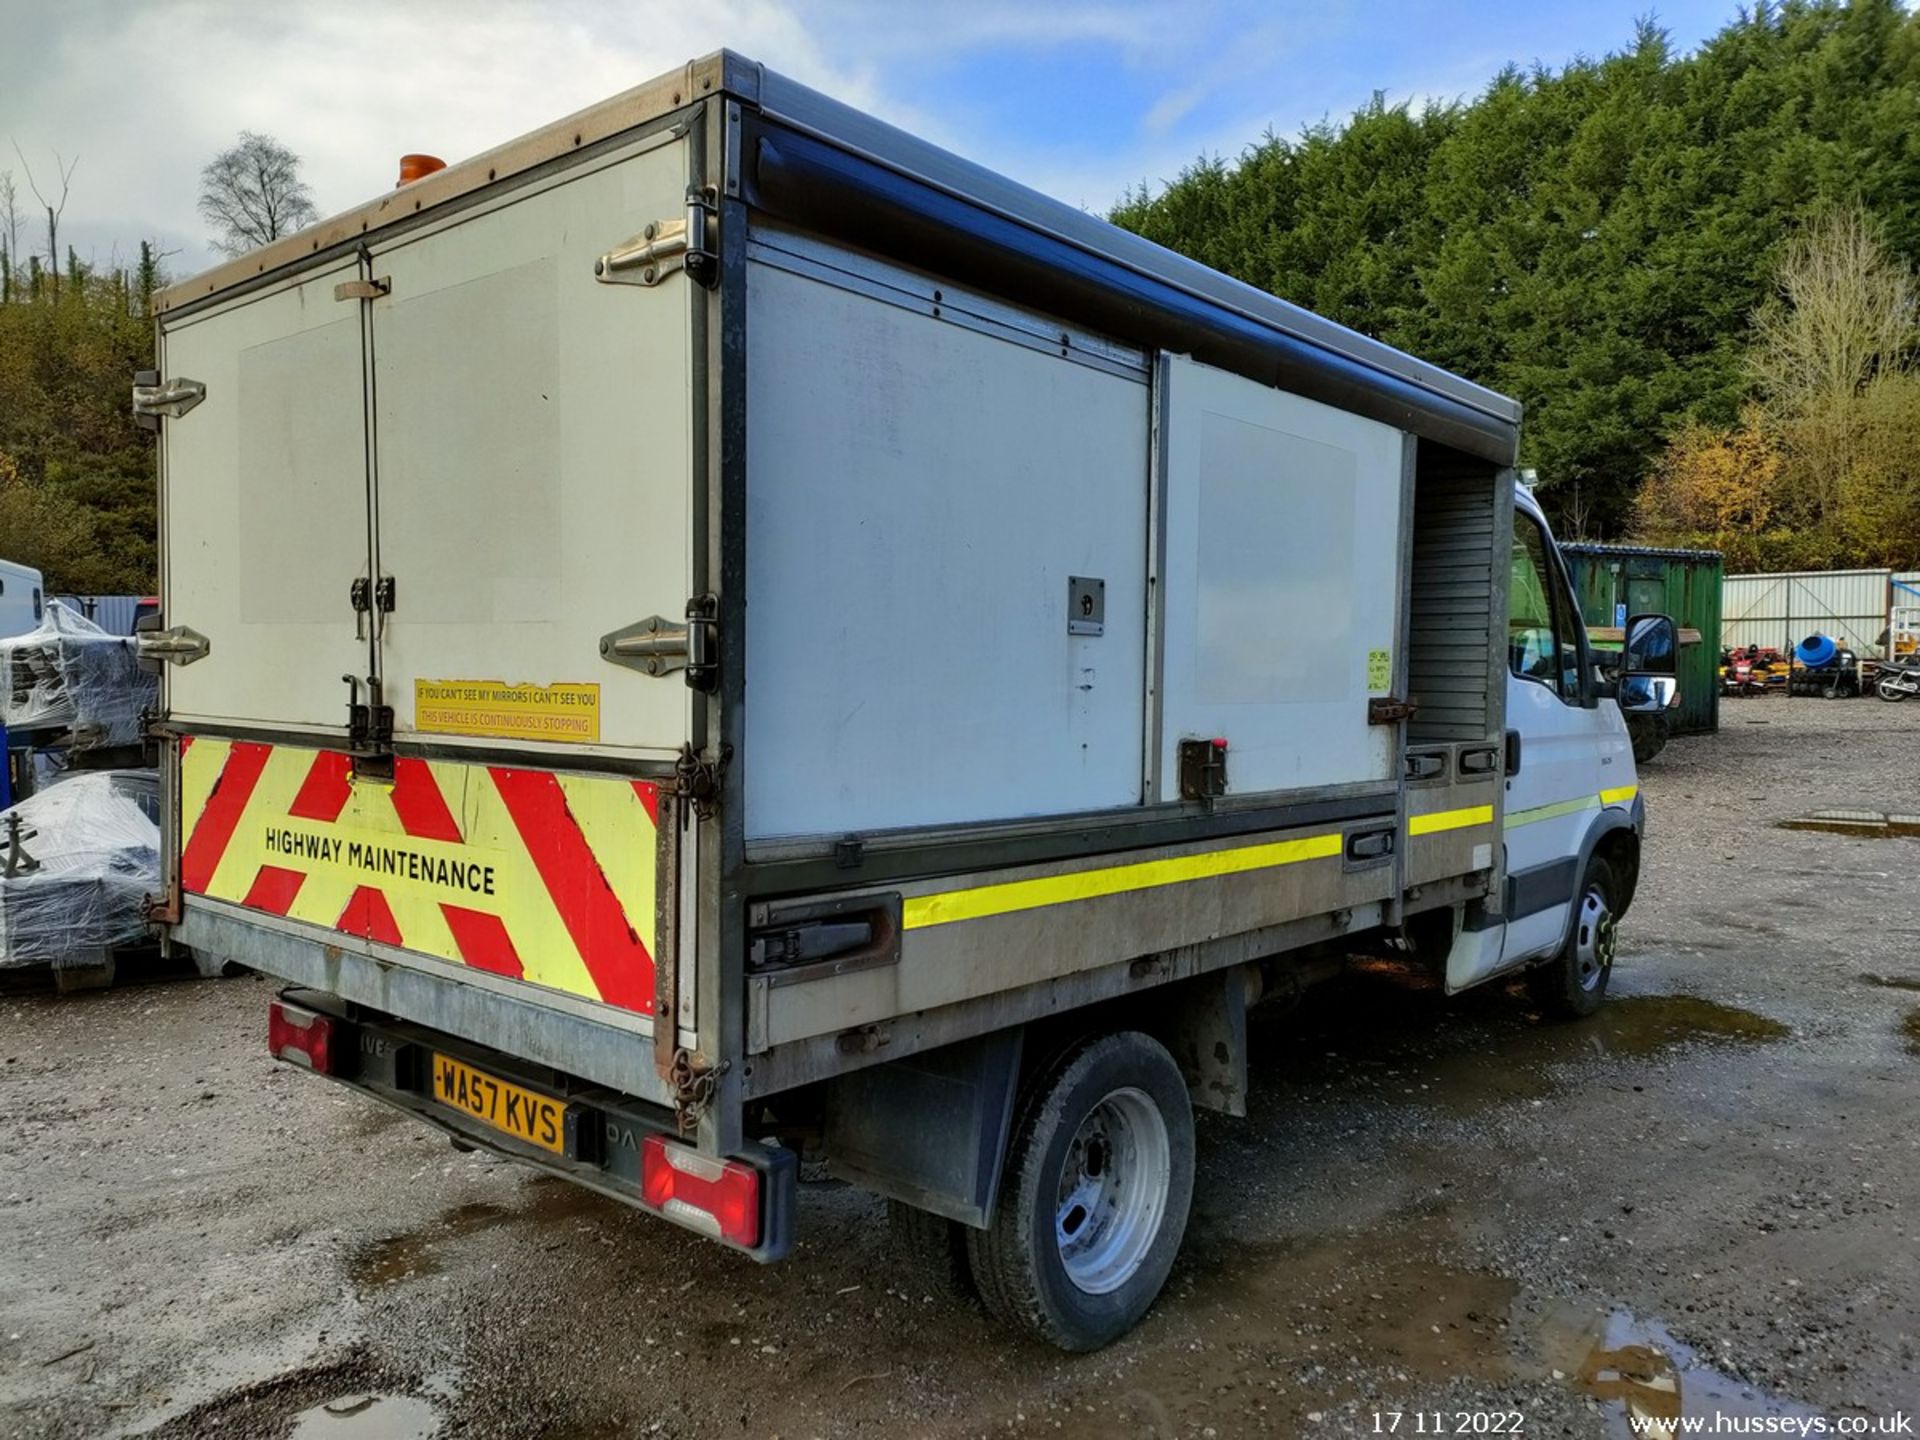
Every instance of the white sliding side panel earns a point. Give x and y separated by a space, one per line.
1282 582
919 495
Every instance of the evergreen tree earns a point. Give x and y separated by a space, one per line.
1591 240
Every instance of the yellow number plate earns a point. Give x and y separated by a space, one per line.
536 1119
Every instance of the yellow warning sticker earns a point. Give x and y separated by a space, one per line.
1379 669
500 711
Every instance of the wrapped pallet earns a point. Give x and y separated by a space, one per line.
70 676
77 863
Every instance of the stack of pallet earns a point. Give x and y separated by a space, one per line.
77 864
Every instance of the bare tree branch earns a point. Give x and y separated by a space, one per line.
64 169
252 193
10 211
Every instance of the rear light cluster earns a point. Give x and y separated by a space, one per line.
720 1198
301 1037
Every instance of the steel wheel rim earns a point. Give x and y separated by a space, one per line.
1593 939
1113 1189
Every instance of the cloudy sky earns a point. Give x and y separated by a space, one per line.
1078 99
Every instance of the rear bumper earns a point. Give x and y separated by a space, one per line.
603 1134
578 1037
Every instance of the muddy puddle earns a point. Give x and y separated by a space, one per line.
419 1253
1278 1338
1256 1338
1380 1036
1649 1383
368 1417
1861 824
394 1258
1910 1027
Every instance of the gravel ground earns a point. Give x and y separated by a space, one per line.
1433 1205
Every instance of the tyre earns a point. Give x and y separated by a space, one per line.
1889 691
1573 984
1649 736
1093 1203
931 1247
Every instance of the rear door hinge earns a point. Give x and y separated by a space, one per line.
363 289
657 646
179 646
152 399
1389 710
664 247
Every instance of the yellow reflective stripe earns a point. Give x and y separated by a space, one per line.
1449 820
1552 812
1622 795
1004 899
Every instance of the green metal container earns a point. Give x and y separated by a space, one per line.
1615 581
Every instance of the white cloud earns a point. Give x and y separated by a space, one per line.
145 96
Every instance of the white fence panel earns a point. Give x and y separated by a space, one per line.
1781 610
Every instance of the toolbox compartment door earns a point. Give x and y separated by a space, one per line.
1283 530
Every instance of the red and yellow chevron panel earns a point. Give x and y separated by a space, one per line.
546 878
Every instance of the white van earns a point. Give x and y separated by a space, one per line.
22 601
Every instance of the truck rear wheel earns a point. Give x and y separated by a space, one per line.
1093 1203
1573 984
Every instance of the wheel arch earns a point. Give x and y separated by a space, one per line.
1615 839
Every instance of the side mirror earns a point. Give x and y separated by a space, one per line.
1649 656
1651 647
1648 694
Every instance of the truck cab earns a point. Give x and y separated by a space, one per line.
1573 817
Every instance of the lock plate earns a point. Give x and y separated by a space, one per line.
1086 605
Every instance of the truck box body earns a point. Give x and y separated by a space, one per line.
888 608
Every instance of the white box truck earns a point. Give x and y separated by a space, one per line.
719 629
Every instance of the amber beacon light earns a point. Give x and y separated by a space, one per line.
417 167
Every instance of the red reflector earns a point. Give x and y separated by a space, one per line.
720 1198
300 1036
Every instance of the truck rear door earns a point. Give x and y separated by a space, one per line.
264 488
433 476
532 460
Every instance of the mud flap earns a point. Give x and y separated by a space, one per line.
1476 952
